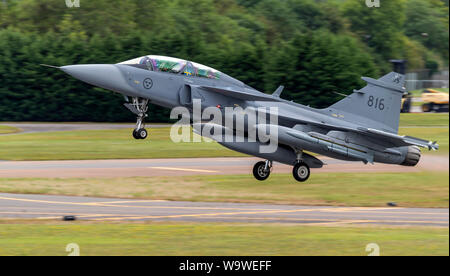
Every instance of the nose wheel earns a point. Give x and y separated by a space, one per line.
139 107
261 170
140 133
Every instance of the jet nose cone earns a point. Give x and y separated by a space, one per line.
107 76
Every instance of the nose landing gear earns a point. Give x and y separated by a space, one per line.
140 133
139 107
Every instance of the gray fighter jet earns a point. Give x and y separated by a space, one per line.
361 127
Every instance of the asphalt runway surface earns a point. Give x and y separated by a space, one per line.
191 166
44 207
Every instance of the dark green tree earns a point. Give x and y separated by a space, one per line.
429 25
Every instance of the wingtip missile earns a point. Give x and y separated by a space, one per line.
433 146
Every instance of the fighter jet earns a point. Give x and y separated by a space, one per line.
362 127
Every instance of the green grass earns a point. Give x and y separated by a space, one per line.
8 129
103 144
424 119
422 189
418 92
116 144
217 239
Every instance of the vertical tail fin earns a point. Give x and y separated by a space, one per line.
377 105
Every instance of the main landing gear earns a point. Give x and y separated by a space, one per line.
139 107
261 170
301 171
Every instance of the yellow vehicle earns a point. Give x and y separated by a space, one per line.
434 100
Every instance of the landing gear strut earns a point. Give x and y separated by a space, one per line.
261 170
139 107
301 171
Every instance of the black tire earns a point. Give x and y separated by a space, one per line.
141 133
301 172
135 136
443 108
426 108
259 172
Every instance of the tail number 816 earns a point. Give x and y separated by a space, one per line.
377 103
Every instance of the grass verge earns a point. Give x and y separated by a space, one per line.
118 144
217 239
103 144
424 119
424 189
8 129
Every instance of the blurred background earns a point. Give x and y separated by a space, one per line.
314 47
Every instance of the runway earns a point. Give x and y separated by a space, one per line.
191 166
44 207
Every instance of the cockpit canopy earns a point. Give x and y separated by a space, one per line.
173 65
